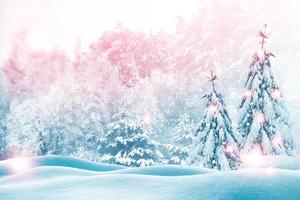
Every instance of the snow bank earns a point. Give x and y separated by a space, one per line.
61 181
5 166
167 170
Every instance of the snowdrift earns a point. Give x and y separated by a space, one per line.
56 177
57 161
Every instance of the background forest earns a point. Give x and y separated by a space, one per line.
147 84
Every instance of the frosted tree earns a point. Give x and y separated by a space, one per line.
182 138
63 121
3 128
215 145
3 132
3 144
263 120
126 142
35 128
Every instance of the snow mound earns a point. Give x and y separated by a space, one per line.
167 170
45 173
7 166
76 163
65 178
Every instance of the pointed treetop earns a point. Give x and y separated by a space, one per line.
261 54
263 35
212 78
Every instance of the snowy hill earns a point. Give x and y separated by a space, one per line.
54 161
56 177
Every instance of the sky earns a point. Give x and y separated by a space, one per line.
63 23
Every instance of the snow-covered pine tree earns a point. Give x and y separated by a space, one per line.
182 138
263 120
127 142
215 145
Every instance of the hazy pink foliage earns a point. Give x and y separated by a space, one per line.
133 54
125 56
29 70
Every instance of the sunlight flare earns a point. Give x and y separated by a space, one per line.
20 164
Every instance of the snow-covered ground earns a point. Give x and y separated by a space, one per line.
56 177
